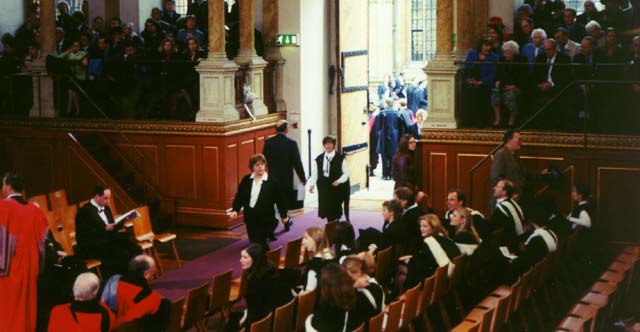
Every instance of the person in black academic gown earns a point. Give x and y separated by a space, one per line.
410 214
369 294
257 194
332 177
436 250
335 301
97 234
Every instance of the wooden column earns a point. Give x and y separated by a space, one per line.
47 27
465 36
217 73
273 97
444 29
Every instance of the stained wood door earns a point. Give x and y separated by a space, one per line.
352 41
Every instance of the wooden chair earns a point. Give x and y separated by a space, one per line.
384 261
58 200
219 298
426 300
439 292
571 324
144 233
394 313
466 326
599 301
284 317
306 306
292 254
83 203
587 313
483 316
273 256
375 322
501 305
176 315
41 202
455 281
410 313
330 231
263 325
197 301
239 289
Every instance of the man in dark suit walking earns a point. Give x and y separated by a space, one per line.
283 157
97 234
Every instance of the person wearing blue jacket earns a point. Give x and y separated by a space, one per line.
478 80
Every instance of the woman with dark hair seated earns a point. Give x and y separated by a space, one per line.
369 294
345 241
265 291
465 235
336 299
436 250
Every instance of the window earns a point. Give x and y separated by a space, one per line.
182 6
423 30
577 5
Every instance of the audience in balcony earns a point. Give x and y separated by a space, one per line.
565 45
479 78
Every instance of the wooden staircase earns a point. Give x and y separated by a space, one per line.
128 173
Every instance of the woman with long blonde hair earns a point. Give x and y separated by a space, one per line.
316 245
465 235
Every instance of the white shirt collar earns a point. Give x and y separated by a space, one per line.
265 176
13 195
411 207
93 202
330 155
499 200
583 202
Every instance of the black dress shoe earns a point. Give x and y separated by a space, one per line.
288 224
272 238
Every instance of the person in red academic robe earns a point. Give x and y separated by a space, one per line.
28 224
86 312
131 297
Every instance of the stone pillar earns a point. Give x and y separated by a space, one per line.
217 73
465 36
441 72
274 96
252 65
42 84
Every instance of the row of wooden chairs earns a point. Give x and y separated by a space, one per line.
596 308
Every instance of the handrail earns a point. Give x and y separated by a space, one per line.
125 137
531 118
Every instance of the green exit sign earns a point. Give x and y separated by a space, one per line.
287 40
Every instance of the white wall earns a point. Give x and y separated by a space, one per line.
129 13
505 9
144 11
305 73
13 17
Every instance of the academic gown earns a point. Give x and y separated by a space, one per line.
18 290
82 316
135 299
424 264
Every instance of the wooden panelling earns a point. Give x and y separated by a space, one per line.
616 197
438 185
151 159
246 149
211 169
181 169
260 144
481 184
231 173
36 166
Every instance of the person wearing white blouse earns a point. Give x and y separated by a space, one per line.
332 178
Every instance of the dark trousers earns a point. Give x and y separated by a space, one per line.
386 165
259 228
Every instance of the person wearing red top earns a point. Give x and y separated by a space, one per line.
86 312
27 225
133 298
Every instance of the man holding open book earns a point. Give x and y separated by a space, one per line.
98 236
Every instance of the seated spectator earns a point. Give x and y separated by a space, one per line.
370 297
537 245
575 31
131 297
264 291
393 232
478 82
522 36
566 45
594 30
410 214
97 28
337 297
86 312
509 82
495 33
152 36
436 250
590 13
580 214
345 241
457 199
190 31
464 235
169 14
116 22
315 242
129 35
535 47
507 214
